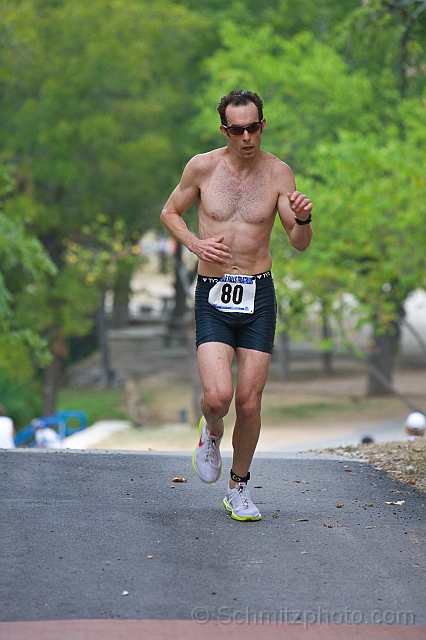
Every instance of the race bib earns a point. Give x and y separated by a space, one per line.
234 294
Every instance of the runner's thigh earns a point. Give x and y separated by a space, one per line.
215 366
253 367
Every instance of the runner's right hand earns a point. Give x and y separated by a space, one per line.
213 250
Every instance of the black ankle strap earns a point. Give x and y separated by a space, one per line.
236 478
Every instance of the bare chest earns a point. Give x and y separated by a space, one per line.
229 198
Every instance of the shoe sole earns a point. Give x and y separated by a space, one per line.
228 507
200 429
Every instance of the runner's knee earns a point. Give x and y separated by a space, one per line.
219 401
247 407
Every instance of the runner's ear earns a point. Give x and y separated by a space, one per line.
224 131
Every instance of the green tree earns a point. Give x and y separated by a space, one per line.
345 147
94 99
377 250
309 94
387 38
23 264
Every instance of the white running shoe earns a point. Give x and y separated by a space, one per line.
206 460
238 501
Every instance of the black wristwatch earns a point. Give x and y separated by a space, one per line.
307 221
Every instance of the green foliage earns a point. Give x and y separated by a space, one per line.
23 264
103 102
93 97
387 39
346 147
92 108
308 93
377 233
101 252
22 402
285 16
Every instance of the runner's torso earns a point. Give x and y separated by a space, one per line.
241 207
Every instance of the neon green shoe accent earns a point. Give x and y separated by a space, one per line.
240 519
244 504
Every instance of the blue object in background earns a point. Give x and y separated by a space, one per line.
25 437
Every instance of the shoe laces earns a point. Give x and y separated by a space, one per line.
210 448
243 495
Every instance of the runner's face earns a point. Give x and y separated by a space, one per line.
247 145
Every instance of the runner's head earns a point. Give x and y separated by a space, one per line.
239 99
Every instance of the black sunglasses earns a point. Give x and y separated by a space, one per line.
238 131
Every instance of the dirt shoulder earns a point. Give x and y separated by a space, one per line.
402 460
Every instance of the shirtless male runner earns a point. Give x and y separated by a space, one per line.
239 189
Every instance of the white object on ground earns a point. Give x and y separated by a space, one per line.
415 424
6 433
96 433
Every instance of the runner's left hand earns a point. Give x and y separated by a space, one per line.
300 203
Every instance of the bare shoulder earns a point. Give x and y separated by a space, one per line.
279 171
203 164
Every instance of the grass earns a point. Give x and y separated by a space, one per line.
98 404
300 411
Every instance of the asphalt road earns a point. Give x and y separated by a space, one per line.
108 535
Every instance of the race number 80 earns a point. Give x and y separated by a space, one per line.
233 296
234 293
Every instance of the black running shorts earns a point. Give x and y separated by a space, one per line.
247 330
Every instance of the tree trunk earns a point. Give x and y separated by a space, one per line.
383 349
120 311
197 388
101 331
284 355
177 325
327 354
52 375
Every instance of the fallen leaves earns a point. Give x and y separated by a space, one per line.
339 506
402 460
179 479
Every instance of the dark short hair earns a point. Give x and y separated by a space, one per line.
239 99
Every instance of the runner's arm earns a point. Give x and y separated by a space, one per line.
187 191
293 203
